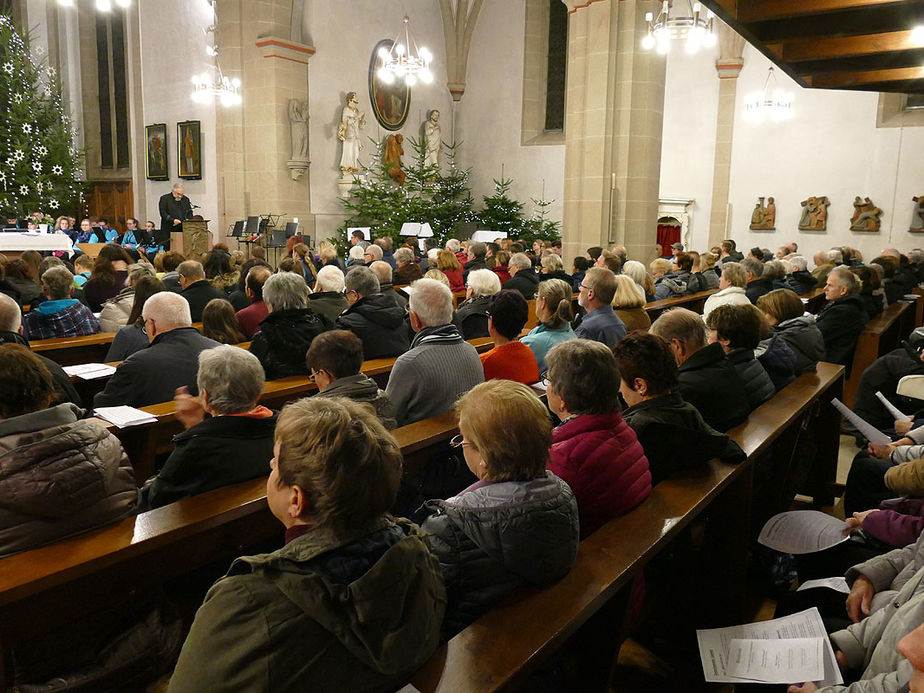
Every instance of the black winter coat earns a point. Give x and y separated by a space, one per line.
667 424
841 323
283 341
557 274
709 382
379 323
801 281
757 383
525 281
805 339
198 294
220 451
472 265
872 304
472 317
152 375
758 288
883 376
778 359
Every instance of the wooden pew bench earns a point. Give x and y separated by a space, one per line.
501 649
882 334
73 578
815 300
73 351
694 302
145 442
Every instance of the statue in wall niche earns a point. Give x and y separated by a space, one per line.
352 121
917 219
433 137
865 215
392 158
298 121
814 214
763 218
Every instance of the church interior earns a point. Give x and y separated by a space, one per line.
609 123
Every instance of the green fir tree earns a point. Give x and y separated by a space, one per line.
540 227
41 169
501 212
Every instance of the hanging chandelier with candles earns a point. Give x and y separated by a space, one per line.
215 86
400 62
695 29
770 103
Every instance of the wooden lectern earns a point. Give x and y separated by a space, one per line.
195 239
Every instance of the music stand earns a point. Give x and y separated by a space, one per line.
291 229
238 229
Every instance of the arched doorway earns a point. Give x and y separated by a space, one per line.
669 229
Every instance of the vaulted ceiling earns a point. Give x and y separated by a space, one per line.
835 44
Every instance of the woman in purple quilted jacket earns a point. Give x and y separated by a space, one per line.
593 449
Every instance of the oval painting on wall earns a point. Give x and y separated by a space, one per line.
390 102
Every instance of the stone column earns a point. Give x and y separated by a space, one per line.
255 139
614 107
728 67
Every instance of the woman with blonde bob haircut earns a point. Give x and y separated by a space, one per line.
629 304
516 525
298 618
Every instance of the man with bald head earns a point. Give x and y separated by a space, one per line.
383 272
196 288
11 333
170 361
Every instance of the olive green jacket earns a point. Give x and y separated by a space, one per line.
280 622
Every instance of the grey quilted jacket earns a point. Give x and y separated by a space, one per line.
494 537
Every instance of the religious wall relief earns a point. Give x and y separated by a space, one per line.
865 215
763 218
917 217
814 214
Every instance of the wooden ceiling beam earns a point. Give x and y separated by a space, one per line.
765 10
845 80
843 47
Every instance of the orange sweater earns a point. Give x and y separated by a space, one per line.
511 361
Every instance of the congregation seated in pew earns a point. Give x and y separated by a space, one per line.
732 284
518 524
197 290
60 315
228 436
373 317
62 475
334 360
153 374
353 600
117 309
471 317
705 377
11 333
672 431
328 299
219 322
554 315
595 296
249 318
421 385
843 318
509 359
790 323
737 329
593 449
286 332
132 337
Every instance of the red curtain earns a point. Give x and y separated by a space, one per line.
667 234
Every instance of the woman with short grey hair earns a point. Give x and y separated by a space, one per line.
233 445
472 316
285 291
407 269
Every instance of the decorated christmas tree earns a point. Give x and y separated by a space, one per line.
41 166
501 212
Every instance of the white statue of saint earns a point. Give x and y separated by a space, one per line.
298 120
432 134
351 122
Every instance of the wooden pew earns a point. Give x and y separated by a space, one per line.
501 649
73 578
73 351
144 443
694 302
882 334
815 300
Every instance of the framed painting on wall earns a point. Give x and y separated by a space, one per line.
155 143
189 149
390 102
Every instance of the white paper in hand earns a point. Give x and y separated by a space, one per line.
896 413
777 661
871 433
802 531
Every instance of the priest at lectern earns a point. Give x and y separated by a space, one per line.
175 208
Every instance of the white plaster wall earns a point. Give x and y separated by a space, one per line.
831 147
344 32
691 93
171 53
489 115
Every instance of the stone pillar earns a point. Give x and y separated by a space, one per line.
255 139
728 67
614 108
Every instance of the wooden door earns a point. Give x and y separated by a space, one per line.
111 200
